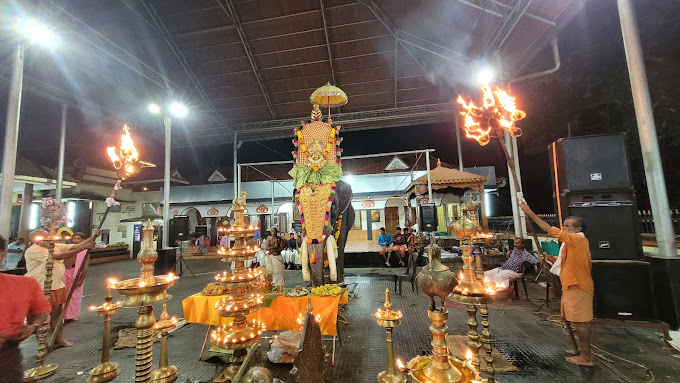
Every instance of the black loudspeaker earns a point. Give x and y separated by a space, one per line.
165 263
428 217
179 229
666 284
590 163
623 290
612 228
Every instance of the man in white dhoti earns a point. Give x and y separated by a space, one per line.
273 246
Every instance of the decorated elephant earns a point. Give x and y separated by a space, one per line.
323 200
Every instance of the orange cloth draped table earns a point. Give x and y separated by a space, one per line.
281 314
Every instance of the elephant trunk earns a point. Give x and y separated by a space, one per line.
332 253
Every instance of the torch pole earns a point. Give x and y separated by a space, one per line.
508 158
60 323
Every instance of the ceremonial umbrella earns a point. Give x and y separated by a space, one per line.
328 95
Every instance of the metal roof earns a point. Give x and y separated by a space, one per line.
248 67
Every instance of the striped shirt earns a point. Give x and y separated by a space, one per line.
516 261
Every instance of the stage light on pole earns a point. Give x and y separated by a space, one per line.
37 33
154 108
174 110
30 32
349 178
178 110
485 76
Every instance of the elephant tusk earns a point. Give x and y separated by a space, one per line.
304 259
332 251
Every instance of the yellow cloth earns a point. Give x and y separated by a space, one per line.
282 314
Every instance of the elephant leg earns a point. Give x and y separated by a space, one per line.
316 269
347 224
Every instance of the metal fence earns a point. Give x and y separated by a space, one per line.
505 223
647 221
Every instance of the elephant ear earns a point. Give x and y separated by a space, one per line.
343 195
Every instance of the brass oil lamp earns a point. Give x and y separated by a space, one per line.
440 367
106 371
389 319
42 370
142 293
472 292
165 372
243 297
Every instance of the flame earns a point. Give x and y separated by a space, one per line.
126 157
113 281
498 112
468 355
400 365
461 276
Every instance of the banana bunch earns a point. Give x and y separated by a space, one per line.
214 289
327 289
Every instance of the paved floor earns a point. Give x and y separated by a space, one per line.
532 343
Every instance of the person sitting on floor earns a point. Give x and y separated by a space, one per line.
400 245
385 243
514 267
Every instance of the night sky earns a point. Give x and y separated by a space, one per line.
593 66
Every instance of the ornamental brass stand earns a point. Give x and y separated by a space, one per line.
389 319
42 371
106 371
143 292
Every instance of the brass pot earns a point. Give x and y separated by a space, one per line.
435 279
465 228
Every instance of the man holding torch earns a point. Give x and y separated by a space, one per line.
36 260
577 283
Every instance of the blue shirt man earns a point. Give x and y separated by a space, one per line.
385 243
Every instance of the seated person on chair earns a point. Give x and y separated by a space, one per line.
385 243
514 267
399 245
291 255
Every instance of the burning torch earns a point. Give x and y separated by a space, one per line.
126 161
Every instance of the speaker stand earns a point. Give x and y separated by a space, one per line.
182 264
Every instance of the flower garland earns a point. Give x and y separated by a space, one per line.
52 214
327 217
337 229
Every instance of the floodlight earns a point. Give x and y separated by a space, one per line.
178 110
154 108
349 178
485 76
37 33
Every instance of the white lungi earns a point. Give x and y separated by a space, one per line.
275 265
505 276
291 256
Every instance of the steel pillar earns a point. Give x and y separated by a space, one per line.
649 144
9 158
167 122
62 153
